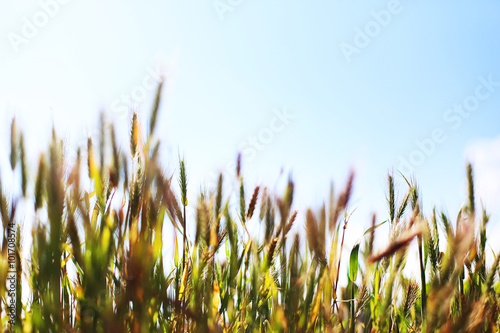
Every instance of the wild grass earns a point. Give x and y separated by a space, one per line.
97 259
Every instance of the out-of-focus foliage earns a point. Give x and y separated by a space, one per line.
97 260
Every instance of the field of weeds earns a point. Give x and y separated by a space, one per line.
96 262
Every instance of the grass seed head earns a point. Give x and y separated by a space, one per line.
391 200
470 190
134 135
289 225
314 239
14 144
238 166
156 107
183 183
24 167
242 201
40 183
253 202
401 243
115 169
269 221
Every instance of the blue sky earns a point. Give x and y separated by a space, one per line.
228 74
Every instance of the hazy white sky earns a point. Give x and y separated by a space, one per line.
312 87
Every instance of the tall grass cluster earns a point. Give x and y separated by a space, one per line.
97 264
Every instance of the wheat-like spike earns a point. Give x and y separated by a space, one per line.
218 199
414 197
134 135
363 298
75 176
322 223
242 201
74 238
372 236
404 205
183 186
40 183
269 221
218 204
55 188
91 163
402 242
288 197
125 172
446 225
435 233
253 202
391 200
431 248
411 296
491 276
470 190
294 256
313 236
238 166
232 233
102 143
4 208
202 222
24 167
156 107
183 183
344 198
270 252
115 170
13 144
263 204
289 225
482 232
173 207
135 196
331 209
155 152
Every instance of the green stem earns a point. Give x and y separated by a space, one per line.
422 277
352 308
